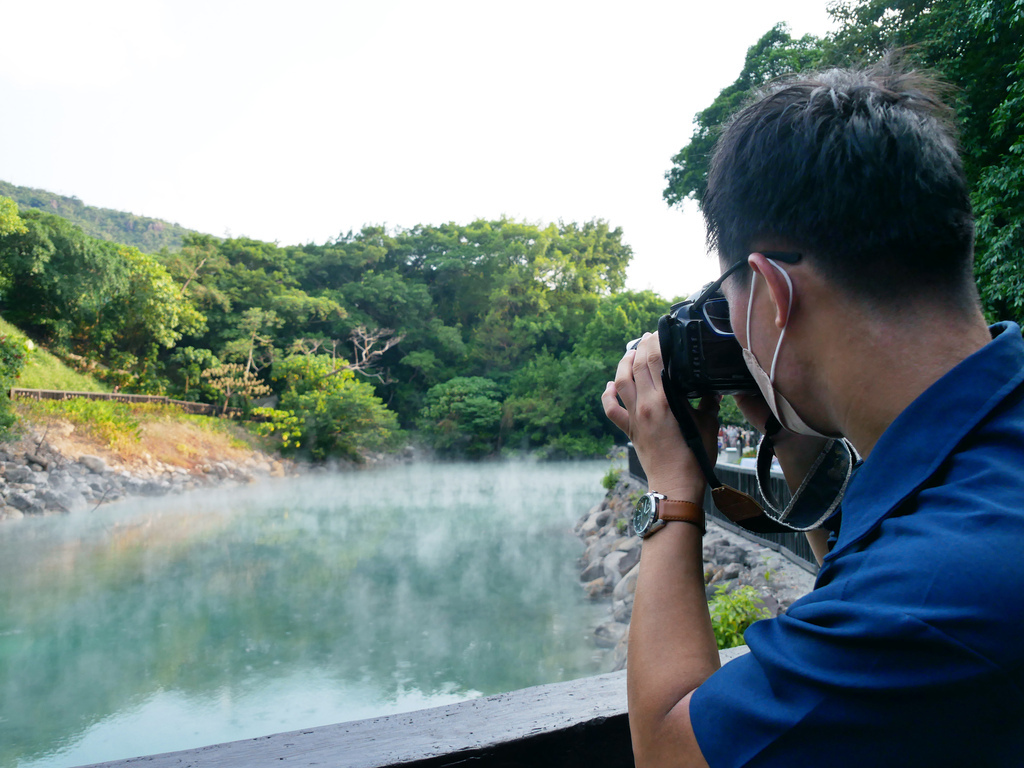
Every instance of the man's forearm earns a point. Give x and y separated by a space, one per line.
672 647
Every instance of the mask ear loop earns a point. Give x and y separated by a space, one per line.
785 325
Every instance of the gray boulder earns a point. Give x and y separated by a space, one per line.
631 558
65 501
731 555
612 572
593 571
94 464
20 475
20 500
622 610
626 587
609 634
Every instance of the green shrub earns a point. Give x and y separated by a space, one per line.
12 361
732 612
611 478
284 424
114 423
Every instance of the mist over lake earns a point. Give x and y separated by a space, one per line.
155 626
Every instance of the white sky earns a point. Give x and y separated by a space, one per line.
294 122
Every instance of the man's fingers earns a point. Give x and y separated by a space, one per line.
625 387
616 414
709 404
654 363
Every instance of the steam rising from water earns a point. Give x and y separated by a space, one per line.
156 626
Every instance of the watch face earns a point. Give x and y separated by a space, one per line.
643 515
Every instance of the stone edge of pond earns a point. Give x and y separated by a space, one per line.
610 565
38 479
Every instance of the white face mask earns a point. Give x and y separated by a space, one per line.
780 406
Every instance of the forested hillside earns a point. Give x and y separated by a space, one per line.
146 234
481 336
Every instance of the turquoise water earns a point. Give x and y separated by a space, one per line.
157 626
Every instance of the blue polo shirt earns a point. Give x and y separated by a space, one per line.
910 649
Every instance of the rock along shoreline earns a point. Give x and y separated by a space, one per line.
611 562
37 479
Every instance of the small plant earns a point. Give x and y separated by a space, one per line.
732 612
768 572
285 424
620 525
611 478
115 424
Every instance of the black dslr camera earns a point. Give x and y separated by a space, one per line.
698 347
700 353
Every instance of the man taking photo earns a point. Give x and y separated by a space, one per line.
840 213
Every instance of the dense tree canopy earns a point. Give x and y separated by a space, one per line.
531 318
978 47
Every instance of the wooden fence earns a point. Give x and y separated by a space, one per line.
204 409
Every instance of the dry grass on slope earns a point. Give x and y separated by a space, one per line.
135 436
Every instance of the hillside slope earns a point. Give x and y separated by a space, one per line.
147 234
45 371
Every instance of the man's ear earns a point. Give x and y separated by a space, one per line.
780 287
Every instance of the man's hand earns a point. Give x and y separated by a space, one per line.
647 420
672 647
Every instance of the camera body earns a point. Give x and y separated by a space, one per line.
698 361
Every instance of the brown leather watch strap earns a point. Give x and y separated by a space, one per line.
681 511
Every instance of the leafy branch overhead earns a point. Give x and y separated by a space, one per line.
976 46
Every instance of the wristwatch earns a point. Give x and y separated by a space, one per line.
655 509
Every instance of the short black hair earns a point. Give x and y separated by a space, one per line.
860 169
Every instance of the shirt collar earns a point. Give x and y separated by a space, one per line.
928 430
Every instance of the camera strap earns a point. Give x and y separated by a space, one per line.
739 507
814 501
820 492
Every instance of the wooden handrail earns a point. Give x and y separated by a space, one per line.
577 723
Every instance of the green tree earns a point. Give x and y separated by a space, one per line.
554 405
776 54
56 279
233 380
188 364
463 416
339 415
148 315
10 222
12 361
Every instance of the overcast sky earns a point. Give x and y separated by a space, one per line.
295 122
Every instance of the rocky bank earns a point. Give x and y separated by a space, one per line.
609 565
36 478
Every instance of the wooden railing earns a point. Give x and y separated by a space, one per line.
120 397
578 724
